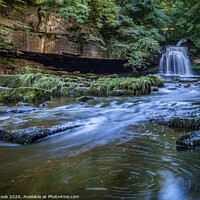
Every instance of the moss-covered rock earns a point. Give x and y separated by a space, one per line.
66 91
83 91
22 104
156 80
129 86
23 94
75 86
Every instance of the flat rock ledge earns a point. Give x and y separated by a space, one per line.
190 140
32 134
179 122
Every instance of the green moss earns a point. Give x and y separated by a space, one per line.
24 94
82 91
61 86
19 104
156 80
50 36
130 86
83 99
66 91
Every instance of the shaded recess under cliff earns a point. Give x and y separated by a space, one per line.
67 62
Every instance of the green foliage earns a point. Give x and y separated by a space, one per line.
6 31
185 21
196 66
137 36
76 9
126 86
22 27
129 29
2 3
4 37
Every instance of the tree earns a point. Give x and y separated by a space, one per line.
137 35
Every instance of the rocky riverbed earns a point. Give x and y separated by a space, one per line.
37 87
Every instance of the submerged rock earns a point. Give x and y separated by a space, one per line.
190 140
20 109
32 134
84 98
172 88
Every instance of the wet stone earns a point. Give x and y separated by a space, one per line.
18 109
190 140
22 104
84 98
32 134
187 85
178 122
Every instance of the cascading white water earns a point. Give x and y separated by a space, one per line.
175 62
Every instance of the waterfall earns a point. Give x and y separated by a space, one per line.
180 42
175 61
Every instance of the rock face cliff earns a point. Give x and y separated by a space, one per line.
51 34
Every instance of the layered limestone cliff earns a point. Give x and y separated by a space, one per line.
50 34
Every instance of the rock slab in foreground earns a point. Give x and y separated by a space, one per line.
191 140
31 135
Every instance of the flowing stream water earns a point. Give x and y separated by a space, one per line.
116 153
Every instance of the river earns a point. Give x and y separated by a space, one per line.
116 153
